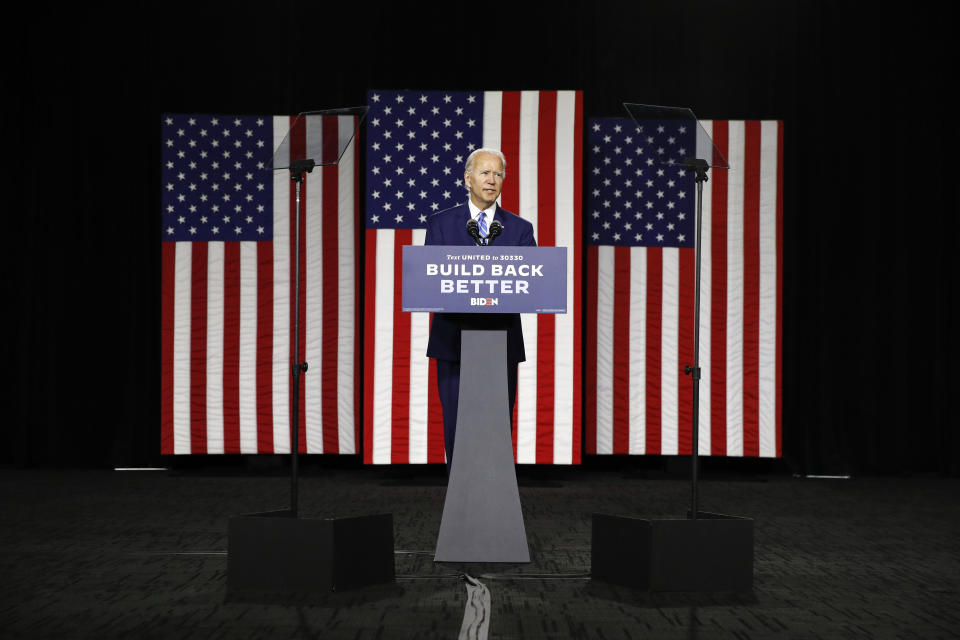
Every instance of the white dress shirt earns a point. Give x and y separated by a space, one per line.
475 212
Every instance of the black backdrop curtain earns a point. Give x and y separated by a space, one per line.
870 208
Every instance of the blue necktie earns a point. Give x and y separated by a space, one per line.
481 219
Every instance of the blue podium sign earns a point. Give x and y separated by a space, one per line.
463 279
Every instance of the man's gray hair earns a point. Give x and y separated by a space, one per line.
494 152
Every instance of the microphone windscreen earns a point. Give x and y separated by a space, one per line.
474 230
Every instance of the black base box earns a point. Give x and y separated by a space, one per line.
713 553
274 553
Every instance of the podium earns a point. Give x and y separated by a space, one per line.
482 518
278 554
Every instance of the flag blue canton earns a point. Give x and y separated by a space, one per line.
217 184
635 197
417 144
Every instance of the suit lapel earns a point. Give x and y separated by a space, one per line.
464 216
504 218
500 216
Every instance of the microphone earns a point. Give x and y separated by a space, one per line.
495 229
474 230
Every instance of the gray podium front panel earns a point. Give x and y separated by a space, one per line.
482 519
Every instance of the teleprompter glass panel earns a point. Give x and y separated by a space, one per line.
321 136
694 143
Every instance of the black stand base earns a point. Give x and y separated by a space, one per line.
275 555
712 553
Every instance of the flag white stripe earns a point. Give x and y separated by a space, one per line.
637 394
529 148
248 347
181 348
529 199
706 299
604 381
526 401
282 283
768 290
346 290
563 343
735 295
313 302
419 376
383 351
669 354
492 123
214 357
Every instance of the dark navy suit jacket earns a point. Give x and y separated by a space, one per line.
449 227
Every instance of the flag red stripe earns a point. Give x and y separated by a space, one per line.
510 195
654 334
546 339
546 169
198 349
514 425
751 290
685 330
510 147
400 423
231 347
369 329
547 237
718 299
168 270
577 273
779 328
435 450
330 300
621 354
264 356
592 265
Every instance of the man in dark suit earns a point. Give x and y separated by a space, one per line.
484 174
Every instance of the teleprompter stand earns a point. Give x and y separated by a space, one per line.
706 551
278 554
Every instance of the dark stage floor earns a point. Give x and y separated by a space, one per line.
109 554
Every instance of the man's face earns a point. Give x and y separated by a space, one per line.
485 179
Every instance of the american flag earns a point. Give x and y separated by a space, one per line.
227 289
417 143
641 288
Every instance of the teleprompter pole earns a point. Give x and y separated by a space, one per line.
700 166
298 171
